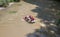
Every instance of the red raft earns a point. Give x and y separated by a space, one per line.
29 19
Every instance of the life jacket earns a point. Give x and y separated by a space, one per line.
31 18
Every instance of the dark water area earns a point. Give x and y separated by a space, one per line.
46 10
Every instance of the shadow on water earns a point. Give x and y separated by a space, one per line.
46 11
42 32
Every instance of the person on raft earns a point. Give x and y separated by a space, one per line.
29 18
